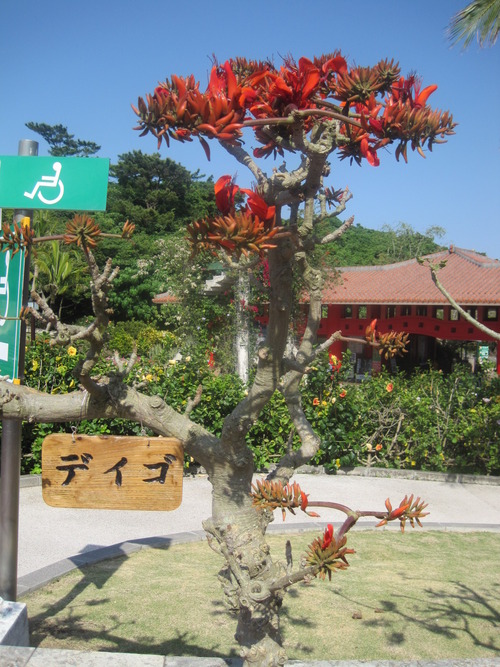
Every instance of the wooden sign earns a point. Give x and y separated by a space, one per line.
112 472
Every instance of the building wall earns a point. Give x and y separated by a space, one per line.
425 324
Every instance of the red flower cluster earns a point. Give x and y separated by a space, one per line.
378 104
409 509
328 554
249 229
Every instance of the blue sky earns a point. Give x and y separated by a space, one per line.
82 63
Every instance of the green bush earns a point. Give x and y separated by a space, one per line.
125 336
429 421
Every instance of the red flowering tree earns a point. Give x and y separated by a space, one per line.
312 111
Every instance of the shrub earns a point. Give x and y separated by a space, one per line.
429 421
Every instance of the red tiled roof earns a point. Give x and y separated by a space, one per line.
471 279
165 297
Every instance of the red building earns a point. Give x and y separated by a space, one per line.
403 297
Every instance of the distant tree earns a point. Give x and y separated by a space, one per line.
158 194
361 246
406 243
61 142
479 19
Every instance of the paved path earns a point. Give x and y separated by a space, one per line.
55 540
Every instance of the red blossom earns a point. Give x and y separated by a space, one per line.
327 537
225 191
258 206
389 387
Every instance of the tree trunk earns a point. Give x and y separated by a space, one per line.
237 532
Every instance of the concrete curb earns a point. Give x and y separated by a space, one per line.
39 657
423 475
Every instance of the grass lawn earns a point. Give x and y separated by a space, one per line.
421 595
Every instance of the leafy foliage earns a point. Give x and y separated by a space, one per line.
479 19
61 142
158 195
428 421
361 246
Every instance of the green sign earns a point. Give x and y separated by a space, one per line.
11 290
65 183
483 353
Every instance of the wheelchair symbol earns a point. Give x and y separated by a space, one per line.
48 182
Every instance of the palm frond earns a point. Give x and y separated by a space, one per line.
479 19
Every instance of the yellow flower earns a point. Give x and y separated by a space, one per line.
35 365
334 400
72 351
148 377
414 463
337 463
172 362
324 403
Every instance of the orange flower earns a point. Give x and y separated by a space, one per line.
389 387
343 393
315 401
378 447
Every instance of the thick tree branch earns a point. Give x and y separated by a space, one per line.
338 232
486 330
244 158
113 399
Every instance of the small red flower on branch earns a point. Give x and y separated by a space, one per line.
328 554
408 510
271 495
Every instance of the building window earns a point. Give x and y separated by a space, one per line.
405 311
324 312
362 312
472 311
390 312
347 312
454 316
422 311
491 314
439 313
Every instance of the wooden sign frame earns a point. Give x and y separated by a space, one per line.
112 472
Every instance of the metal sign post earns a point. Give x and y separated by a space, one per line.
11 444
